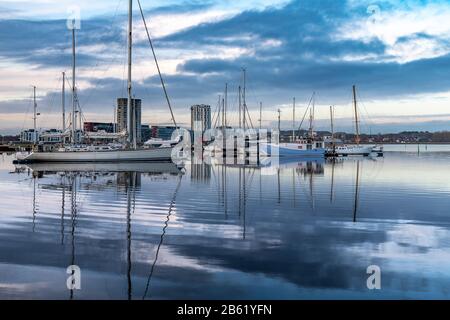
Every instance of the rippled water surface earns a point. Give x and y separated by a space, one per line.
305 230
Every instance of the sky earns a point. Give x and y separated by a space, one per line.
397 53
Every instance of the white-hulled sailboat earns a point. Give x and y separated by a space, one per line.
353 150
129 151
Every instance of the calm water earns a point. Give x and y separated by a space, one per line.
307 230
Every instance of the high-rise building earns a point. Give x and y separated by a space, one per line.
201 115
122 116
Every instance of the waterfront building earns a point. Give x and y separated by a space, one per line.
98 126
51 136
29 136
122 116
201 115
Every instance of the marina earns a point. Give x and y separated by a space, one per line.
156 231
228 157
75 151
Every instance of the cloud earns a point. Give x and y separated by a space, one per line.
39 9
289 49
411 30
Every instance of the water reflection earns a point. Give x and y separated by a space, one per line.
73 219
355 207
74 177
166 224
131 177
307 229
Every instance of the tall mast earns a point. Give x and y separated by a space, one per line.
219 112
130 107
226 103
293 120
63 102
79 119
114 119
260 115
357 139
332 124
223 125
244 98
223 113
311 117
240 106
74 99
34 115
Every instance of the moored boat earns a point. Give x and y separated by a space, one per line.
300 148
378 150
156 154
350 150
309 146
129 150
353 150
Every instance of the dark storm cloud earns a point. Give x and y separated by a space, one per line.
335 78
304 61
48 43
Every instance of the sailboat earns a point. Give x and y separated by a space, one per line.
353 150
299 147
226 138
129 151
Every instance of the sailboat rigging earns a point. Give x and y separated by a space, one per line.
308 146
129 151
356 149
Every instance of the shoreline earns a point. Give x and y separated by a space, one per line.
409 143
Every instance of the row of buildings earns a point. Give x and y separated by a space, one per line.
146 132
200 114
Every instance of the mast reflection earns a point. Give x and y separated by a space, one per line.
73 216
166 225
355 206
131 178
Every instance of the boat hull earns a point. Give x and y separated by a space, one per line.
158 154
142 167
287 151
352 151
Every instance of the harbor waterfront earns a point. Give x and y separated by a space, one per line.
308 229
